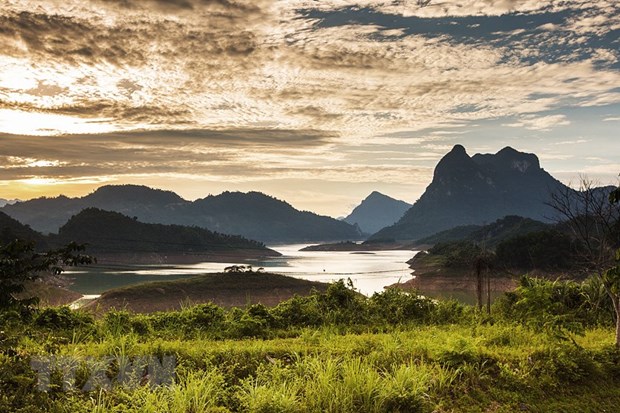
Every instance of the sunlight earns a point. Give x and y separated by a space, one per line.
17 122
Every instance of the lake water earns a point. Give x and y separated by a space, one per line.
369 271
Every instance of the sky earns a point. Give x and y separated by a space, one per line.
318 103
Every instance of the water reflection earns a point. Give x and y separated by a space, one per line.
370 272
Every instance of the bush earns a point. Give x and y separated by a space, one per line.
457 254
560 307
544 250
341 304
298 312
395 306
62 318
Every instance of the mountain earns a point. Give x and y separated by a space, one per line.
377 211
4 202
149 205
476 190
112 232
259 216
11 229
253 215
490 235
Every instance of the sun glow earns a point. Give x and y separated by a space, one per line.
19 122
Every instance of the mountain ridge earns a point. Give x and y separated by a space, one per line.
252 215
474 190
110 231
377 211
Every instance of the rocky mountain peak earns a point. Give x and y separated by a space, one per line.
454 165
509 159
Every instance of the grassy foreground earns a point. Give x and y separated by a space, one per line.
406 354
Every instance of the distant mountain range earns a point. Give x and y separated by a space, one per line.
252 215
4 202
477 190
377 211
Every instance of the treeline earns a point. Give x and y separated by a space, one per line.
549 250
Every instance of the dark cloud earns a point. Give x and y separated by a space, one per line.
130 40
68 39
109 109
315 112
165 151
232 7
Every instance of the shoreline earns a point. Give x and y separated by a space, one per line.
433 277
351 246
171 258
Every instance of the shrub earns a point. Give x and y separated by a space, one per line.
62 318
298 312
396 306
457 254
560 307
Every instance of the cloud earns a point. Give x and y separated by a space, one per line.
541 123
572 142
221 64
275 89
219 153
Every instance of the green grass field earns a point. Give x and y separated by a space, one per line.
329 352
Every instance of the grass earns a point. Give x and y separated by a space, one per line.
331 352
226 289
448 368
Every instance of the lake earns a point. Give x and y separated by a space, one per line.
369 271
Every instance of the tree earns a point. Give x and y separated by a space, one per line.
483 264
20 263
592 220
592 216
611 277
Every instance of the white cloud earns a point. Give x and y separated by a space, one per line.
541 123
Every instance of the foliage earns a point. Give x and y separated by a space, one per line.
457 254
20 263
561 308
107 231
422 368
543 250
336 351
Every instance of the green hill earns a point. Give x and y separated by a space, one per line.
491 235
262 217
112 232
11 229
225 289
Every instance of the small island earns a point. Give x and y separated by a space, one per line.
351 246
